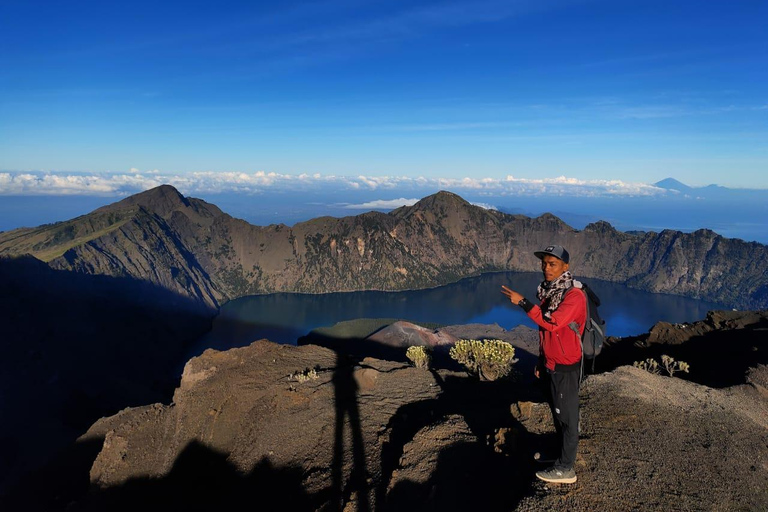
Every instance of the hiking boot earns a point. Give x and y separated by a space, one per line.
557 476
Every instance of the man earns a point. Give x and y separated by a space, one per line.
560 352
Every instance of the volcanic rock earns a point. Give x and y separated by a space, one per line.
406 334
373 434
675 334
720 349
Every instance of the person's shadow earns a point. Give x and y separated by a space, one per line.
345 399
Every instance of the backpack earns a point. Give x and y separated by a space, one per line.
594 331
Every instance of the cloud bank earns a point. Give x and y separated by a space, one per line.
209 182
382 204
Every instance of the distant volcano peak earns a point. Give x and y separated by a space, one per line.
673 184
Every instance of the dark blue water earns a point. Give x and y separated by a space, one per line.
284 317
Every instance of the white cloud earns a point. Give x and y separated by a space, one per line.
376 182
211 182
62 184
575 187
382 204
485 205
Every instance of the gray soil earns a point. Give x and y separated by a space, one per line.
650 442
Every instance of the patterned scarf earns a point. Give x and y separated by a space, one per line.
551 293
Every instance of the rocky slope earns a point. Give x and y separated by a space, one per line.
368 434
77 347
190 247
660 443
720 349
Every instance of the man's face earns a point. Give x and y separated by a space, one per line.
552 267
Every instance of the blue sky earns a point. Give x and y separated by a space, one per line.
590 90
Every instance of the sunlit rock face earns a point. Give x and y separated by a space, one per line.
376 435
191 247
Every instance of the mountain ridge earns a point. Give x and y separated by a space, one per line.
191 247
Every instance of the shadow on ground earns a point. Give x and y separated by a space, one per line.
491 473
203 479
75 348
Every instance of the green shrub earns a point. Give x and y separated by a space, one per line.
419 355
489 359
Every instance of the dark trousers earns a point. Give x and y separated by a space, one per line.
564 388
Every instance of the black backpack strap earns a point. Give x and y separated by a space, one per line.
573 325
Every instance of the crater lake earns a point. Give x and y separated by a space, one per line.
284 317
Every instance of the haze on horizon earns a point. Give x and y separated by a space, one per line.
590 90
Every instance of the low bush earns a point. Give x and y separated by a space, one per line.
671 366
667 363
304 376
489 359
650 365
419 355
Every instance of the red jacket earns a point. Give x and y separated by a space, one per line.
559 344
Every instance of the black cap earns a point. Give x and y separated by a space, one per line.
558 251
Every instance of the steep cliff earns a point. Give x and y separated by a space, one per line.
189 246
76 347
